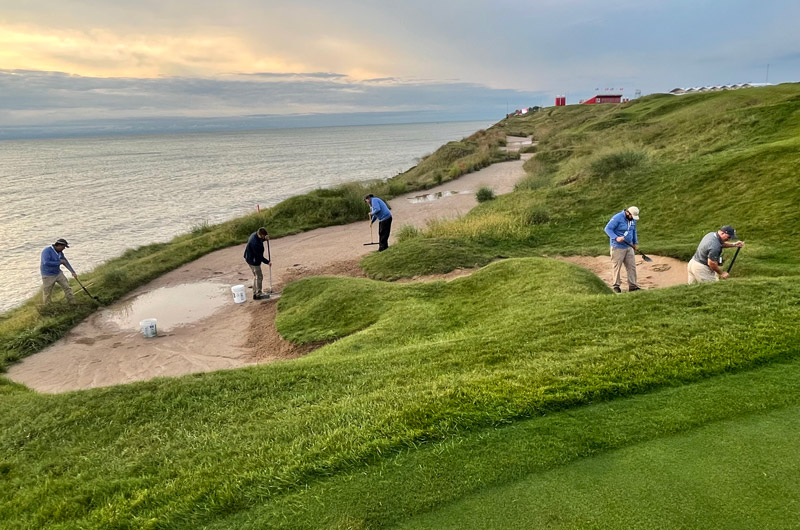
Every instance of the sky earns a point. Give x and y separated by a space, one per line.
72 66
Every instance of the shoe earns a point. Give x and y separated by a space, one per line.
617 289
634 288
260 296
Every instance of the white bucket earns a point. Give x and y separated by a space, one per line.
239 295
149 328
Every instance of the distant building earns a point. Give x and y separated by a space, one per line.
717 88
604 98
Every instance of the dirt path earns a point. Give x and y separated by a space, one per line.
200 329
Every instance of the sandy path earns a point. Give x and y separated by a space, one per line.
98 352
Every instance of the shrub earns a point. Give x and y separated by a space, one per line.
201 228
609 164
485 194
538 216
407 232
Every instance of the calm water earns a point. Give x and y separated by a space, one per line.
108 194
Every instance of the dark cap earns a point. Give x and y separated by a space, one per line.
728 229
61 241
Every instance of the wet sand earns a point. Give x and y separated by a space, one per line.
108 348
201 329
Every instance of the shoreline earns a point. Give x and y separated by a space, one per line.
95 354
146 190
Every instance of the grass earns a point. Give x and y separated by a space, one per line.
710 477
436 400
437 485
473 354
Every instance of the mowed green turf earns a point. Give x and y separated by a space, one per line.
413 488
733 474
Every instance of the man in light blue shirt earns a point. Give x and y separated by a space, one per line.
52 260
621 232
378 211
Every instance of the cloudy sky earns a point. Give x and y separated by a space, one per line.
67 64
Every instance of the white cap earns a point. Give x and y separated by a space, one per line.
634 211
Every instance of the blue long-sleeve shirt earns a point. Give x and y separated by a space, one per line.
254 251
379 210
620 226
51 262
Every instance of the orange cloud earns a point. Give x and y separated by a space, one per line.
101 53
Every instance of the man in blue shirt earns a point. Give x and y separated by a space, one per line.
621 231
52 260
380 212
254 256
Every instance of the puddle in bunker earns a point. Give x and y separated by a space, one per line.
434 196
170 306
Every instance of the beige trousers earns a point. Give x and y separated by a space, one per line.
620 257
699 273
258 278
47 287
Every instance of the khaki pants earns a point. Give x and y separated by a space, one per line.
258 278
620 257
47 287
699 273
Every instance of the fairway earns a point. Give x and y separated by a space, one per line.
742 474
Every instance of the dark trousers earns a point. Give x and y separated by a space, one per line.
384 227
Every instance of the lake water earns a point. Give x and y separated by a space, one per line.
107 194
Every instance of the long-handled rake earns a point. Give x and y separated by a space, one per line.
87 292
730 265
371 237
269 257
644 257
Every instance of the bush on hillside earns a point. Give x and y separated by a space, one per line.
538 216
485 194
612 163
407 232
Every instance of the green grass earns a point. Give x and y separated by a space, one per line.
741 473
425 486
430 362
435 400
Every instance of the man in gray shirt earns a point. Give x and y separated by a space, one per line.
705 264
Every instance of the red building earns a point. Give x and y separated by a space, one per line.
604 98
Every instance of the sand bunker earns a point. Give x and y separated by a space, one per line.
201 329
108 349
661 272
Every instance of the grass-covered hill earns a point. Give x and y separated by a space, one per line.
525 395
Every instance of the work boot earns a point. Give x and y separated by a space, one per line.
634 288
617 289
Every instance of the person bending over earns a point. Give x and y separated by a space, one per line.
705 265
380 212
52 259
